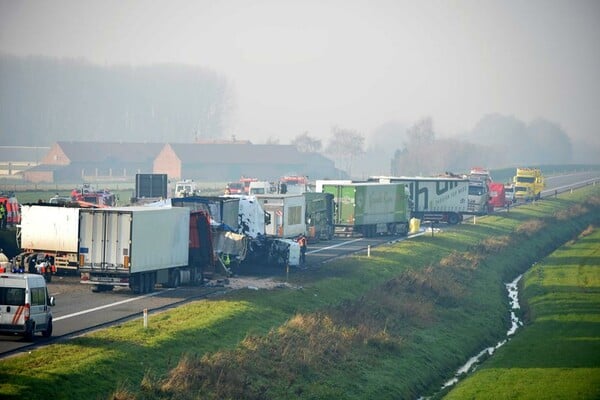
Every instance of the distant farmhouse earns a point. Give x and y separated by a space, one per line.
67 162
16 159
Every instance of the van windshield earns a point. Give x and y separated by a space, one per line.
12 296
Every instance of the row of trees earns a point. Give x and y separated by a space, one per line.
42 99
496 141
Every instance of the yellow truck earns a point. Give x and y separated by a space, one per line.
528 183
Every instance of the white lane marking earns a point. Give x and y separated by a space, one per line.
106 306
334 246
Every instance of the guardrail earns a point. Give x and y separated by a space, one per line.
569 187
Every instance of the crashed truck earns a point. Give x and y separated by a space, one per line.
240 234
285 221
229 246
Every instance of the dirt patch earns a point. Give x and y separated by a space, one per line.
253 283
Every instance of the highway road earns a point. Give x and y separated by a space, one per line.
78 310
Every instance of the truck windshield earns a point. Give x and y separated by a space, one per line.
475 190
525 179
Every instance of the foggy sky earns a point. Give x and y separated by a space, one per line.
308 65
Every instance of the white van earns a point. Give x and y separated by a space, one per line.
25 305
261 187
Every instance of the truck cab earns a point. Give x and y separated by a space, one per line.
529 183
509 191
479 191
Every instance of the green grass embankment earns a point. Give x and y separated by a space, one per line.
557 353
393 325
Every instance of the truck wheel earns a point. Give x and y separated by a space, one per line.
102 288
134 283
453 219
48 331
148 283
48 277
174 279
144 283
152 281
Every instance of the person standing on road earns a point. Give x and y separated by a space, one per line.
302 243
2 215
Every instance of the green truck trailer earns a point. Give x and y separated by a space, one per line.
370 208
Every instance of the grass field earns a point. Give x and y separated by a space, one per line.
393 325
557 355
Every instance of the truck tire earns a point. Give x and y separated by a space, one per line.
392 229
102 288
148 285
152 281
48 331
174 278
146 281
135 284
453 219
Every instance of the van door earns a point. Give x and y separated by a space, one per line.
12 307
39 308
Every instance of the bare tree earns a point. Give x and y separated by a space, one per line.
307 144
421 133
345 146
414 157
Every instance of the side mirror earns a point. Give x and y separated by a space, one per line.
52 301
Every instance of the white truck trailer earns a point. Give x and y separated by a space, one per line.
441 199
48 232
135 247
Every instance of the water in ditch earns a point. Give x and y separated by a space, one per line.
471 364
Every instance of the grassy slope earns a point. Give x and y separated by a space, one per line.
557 355
389 326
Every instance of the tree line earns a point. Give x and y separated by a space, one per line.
43 98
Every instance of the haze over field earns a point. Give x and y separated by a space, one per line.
278 69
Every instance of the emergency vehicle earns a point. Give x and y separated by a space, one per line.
101 198
293 184
25 305
13 209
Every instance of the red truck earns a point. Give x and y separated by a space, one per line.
497 196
